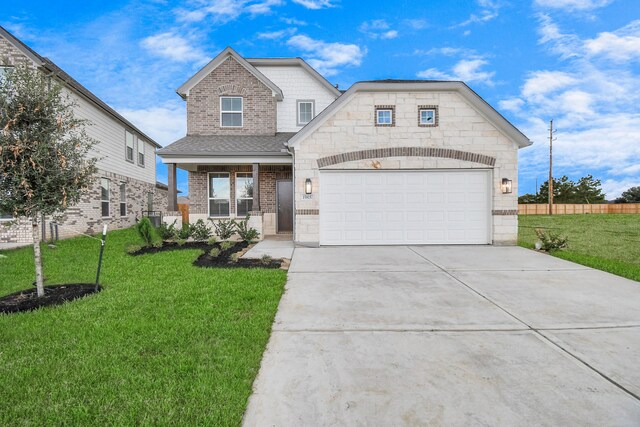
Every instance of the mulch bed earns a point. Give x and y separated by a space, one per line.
53 295
207 261
173 246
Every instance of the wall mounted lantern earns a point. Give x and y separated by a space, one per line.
307 186
506 186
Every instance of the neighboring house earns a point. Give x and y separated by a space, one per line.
126 181
386 162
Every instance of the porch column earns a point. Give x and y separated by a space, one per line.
173 188
256 187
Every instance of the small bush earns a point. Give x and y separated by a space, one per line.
212 240
185 232
225 228
266 259
158 243
200 231
246 233
132 249
551 241
181 242
147 232
234 257
167 231
226 245
214 252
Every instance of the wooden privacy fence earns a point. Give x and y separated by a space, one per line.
569 209
184 210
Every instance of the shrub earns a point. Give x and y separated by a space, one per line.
181 242
147 232
132 249
234 257
266 259
200 231
226 245
158 243
225 228
212 240
246 233
214 252
167 232
185 232
551 241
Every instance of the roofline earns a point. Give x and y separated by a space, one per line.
270 62
184 89
44 63
284 153
427 86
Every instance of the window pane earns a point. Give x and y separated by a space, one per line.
426 116
384 116
244 187
104 184
226 104
129 142
141 159
219 186
219 207
129 153
231 104
123 209
231 119
244 206
105 209
305 113
236 104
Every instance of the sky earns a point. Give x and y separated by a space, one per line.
574 61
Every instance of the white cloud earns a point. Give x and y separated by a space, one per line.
378 29
275 35
489 10
325 57
164 124
415 24
315 4
172 46
540 83
622 45
467 70
572 5
226 10
566 45
294 21
511 104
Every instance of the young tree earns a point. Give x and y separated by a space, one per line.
44 151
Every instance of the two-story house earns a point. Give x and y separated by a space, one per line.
126 182
386 162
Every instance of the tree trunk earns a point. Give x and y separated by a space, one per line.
37 254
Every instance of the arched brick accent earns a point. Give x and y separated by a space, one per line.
445 153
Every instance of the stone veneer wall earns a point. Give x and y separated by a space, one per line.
469 140
231 78
9 55
85 217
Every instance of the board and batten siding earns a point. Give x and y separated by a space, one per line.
111 147
296 84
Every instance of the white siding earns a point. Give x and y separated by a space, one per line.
296 84
111 148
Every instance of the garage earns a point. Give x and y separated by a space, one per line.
405 207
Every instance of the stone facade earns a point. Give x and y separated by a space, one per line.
231 79
463 139
9 55
268 175
86 216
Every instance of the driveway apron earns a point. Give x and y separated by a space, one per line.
449 335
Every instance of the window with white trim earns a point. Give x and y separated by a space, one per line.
129 145
104 196
231 111
123 199
385 115
140 152
305 112
244 193
219 194
427 116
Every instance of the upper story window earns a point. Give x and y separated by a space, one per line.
129 145
427 115
140 152
385 115
305 112
231 111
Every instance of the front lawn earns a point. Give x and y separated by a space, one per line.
606 242
164 343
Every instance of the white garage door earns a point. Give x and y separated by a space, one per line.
404 207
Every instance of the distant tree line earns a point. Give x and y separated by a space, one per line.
586 190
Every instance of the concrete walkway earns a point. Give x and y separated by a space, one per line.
276 247
449 336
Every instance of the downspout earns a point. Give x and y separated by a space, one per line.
293 178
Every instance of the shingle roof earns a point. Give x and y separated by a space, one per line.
229 145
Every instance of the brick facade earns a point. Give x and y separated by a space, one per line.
231 78
86 216
9 55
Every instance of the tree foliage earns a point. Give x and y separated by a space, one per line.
44 162
586 190
632 195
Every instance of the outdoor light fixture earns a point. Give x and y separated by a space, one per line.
307 186
506 186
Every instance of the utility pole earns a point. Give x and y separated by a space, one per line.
551 138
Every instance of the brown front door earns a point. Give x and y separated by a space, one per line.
284 200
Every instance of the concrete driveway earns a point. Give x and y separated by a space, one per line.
455 335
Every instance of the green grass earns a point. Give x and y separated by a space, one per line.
606 242
165 343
